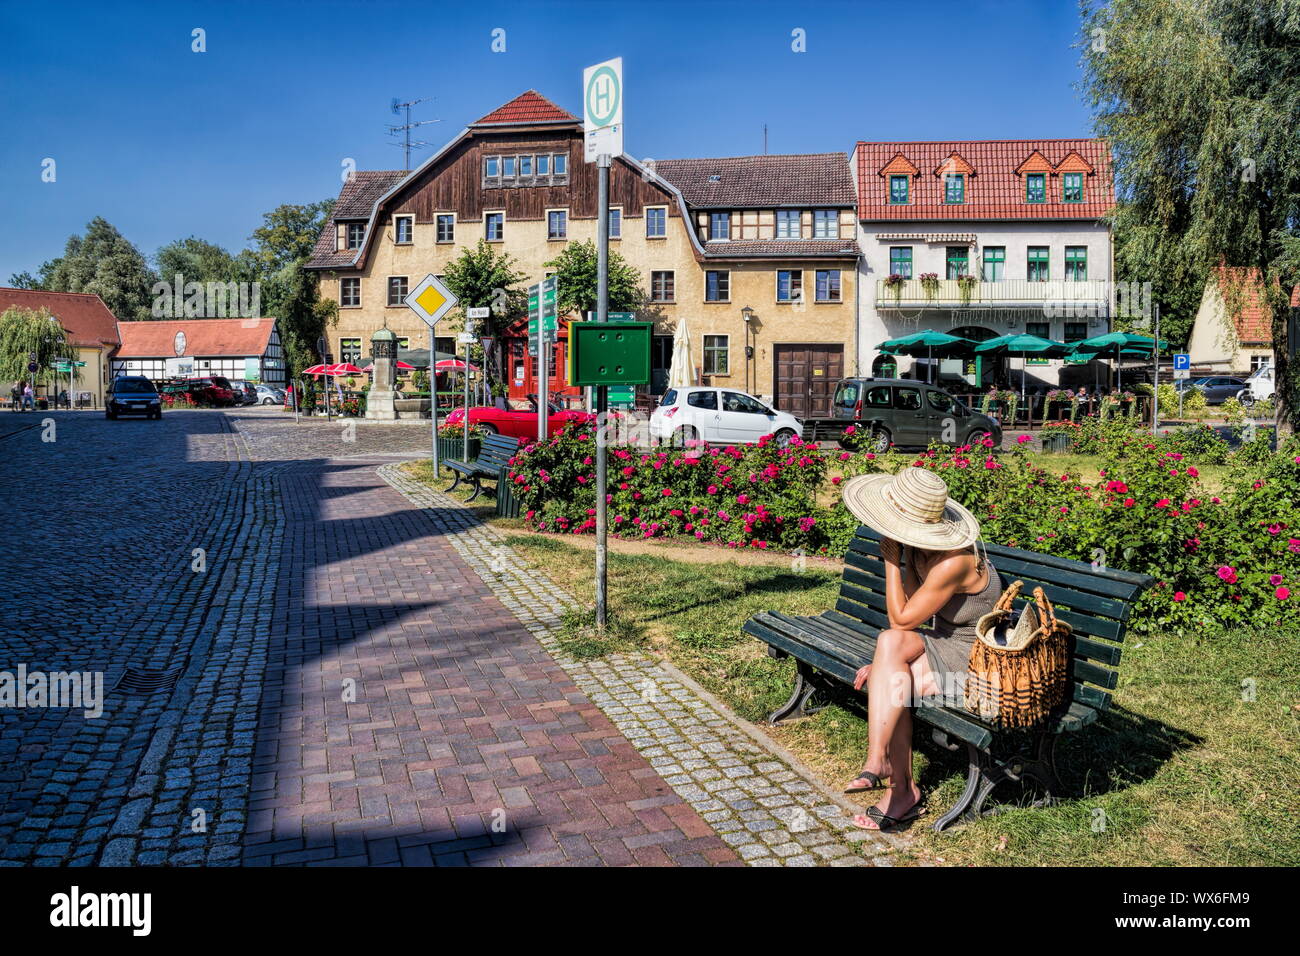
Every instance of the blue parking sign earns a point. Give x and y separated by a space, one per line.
1182 360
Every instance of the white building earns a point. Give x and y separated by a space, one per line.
1019 219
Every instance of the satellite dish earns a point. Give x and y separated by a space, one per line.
396 105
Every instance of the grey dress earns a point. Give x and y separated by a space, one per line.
948 641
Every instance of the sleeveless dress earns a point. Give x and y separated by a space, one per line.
948 642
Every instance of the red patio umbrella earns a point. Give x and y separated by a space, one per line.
450 365
400 366
317 370
343 368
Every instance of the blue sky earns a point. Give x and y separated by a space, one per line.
166 143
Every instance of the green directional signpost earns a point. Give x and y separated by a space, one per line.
543 326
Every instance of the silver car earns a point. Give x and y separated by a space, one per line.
269 395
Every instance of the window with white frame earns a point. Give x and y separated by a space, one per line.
789 285
828 285
656 222
720 225
446 226
557 224
350 292
494 226
397 290
615 223
717 286
662 284
403 230
717 355
787 224
356 234
826 224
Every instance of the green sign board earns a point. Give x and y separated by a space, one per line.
550 286
609 353
622 395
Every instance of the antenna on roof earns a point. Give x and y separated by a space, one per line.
407 145
764 139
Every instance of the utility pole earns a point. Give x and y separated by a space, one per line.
405 129
1155 389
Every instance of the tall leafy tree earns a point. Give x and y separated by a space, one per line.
104 263
281 247
24 280
1200 101
481 277
28 332
575 271
197 260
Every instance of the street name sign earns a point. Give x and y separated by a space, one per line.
431 300
478 312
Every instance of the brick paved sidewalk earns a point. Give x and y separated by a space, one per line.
770 813
464 742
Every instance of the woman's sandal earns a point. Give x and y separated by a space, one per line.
872 778
885 823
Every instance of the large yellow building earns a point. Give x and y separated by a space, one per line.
771 238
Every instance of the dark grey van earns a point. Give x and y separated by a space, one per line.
905 413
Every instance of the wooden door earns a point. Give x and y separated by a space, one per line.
806 377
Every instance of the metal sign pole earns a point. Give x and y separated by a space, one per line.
433 401
465 421
602 398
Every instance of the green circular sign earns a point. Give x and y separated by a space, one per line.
603 118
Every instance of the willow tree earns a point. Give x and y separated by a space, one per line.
31 335
1200 100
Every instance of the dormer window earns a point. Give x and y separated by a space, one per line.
1036 187
787 224
720 225
954 188
356 234
899 190
1072 187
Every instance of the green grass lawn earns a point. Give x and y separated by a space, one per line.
1183 771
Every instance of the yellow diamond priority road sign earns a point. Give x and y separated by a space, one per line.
431 300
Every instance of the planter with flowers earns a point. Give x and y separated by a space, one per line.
966 286
894 283
930 283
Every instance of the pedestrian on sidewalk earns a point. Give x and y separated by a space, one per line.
16 396
29 397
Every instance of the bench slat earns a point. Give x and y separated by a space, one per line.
1137 582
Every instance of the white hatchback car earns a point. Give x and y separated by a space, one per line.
719 416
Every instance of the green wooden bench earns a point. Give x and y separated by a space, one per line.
493 458
830 647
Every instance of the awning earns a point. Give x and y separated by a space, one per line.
965 238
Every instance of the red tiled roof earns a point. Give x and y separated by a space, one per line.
525 109
1252 322
84 317
203 337
800 179
996 187
356 200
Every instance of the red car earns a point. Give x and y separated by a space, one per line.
517 424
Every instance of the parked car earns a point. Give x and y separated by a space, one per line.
1259 386
718 415
132 395
1217 388
904 413
245 392
269 395
517 423
211 390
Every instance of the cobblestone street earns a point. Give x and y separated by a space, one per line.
346 668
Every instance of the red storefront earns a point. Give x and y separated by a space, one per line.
521 368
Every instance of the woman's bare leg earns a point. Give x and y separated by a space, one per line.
890 690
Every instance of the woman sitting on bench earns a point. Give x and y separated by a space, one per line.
933 570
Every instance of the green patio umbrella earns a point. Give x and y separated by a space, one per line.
1121 343
1023 346
928 343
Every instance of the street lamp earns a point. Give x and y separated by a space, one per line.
748 315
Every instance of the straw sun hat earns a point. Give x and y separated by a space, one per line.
913 508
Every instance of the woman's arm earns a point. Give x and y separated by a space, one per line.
908 612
